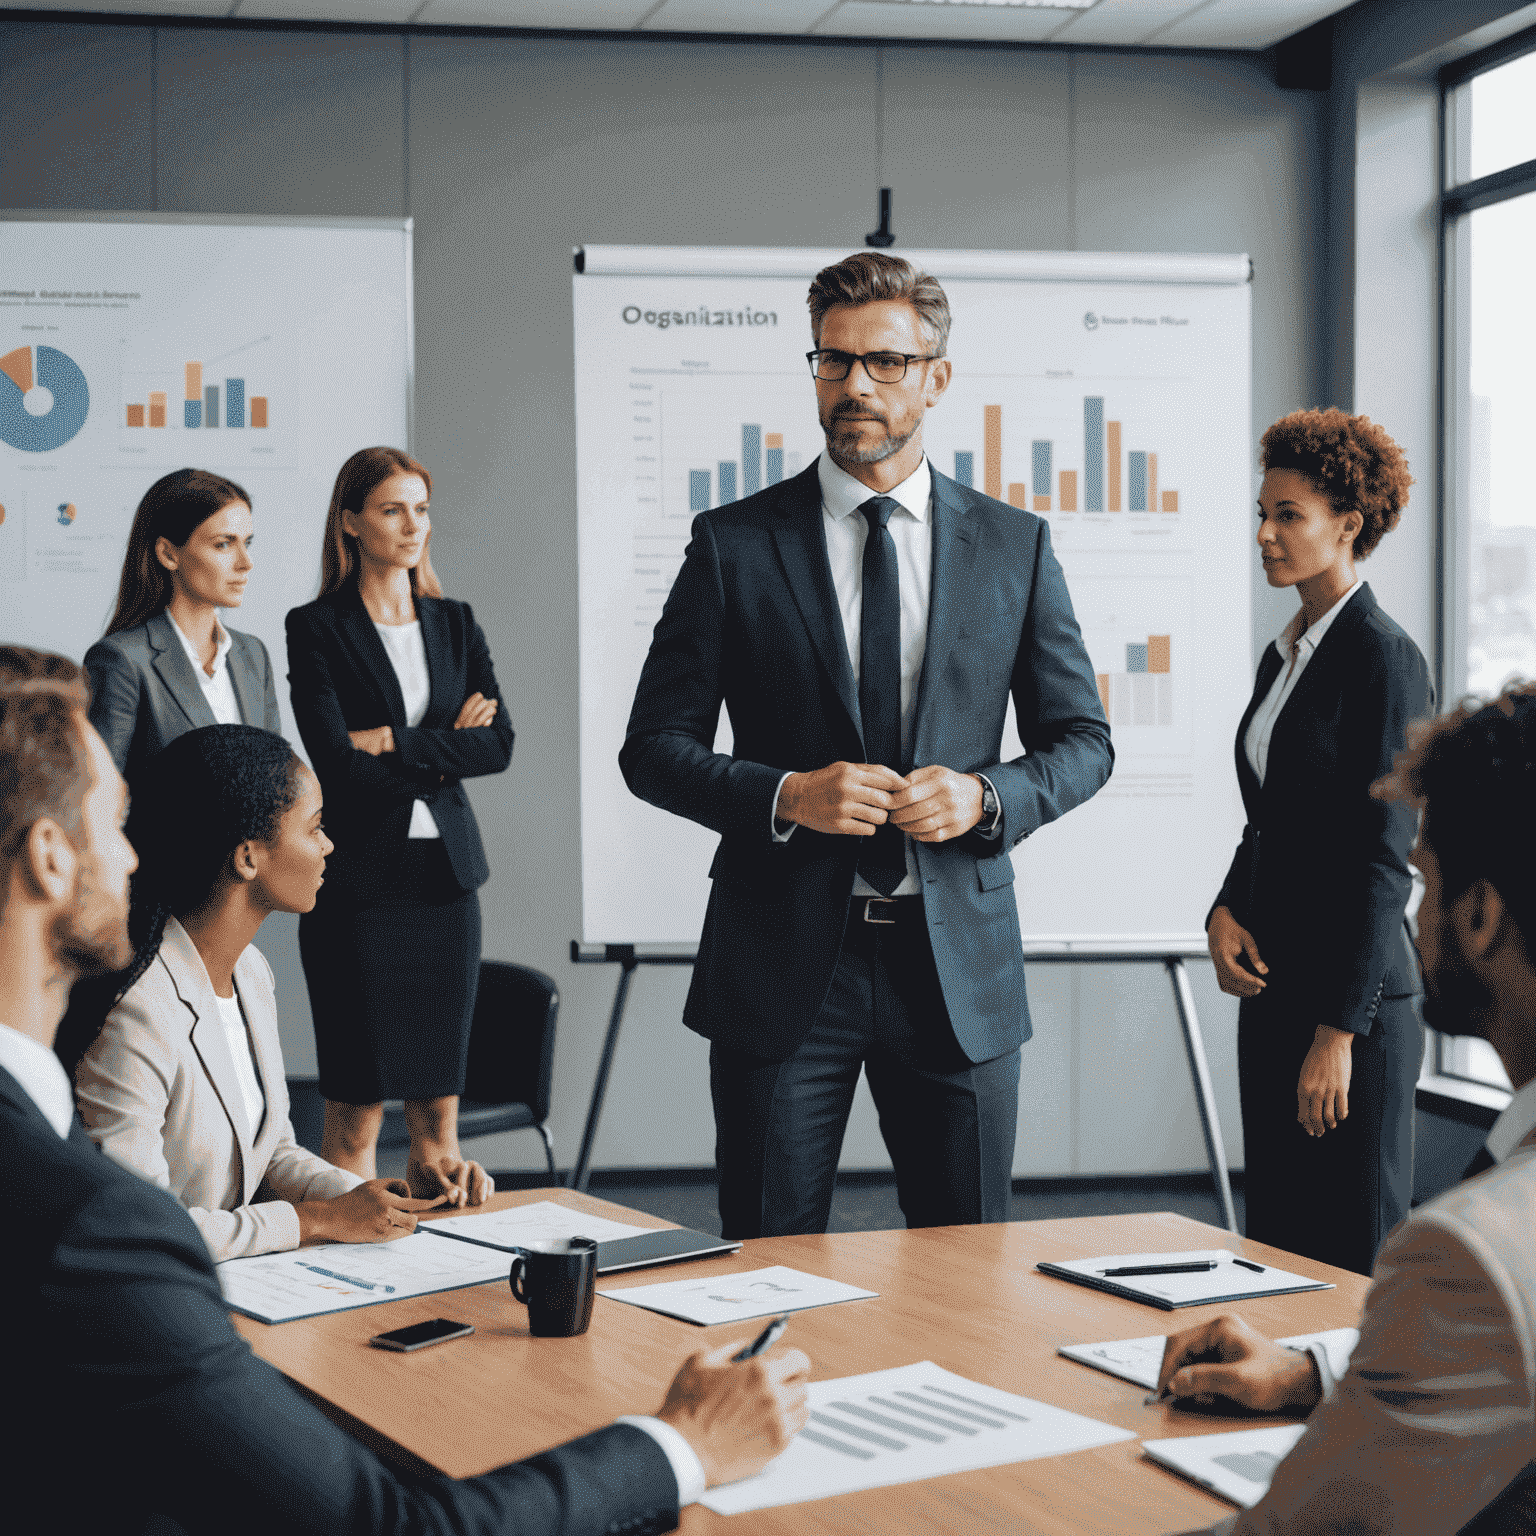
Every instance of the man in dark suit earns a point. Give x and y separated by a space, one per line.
137 1405
864 625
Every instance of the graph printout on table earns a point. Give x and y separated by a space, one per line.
264 350
1108 394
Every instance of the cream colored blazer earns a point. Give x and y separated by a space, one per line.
1435 1419
158 1093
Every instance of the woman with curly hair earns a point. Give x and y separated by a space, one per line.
184 1085
1308 929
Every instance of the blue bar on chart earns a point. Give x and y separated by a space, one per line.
773 446
698 490
192 413
1135 656
1093 453
210 405
234 402
1040 465
965 468
1138 480
727 472
751 459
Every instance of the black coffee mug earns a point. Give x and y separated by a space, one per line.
555 1280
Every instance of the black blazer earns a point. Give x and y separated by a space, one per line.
138 1402
752 623
340 680
1321 877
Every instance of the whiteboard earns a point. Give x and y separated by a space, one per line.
152 343
1109 392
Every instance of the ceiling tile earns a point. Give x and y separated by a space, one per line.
593 15
133 7
1245 23
737 15
1121 21
390 12
972 23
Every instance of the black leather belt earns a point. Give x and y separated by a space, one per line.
886 911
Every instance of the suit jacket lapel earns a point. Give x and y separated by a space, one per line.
954 554
802 545
434 639
261 1021
1270 664
253 706
365 639
176 672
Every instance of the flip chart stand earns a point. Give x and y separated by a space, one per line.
1172 954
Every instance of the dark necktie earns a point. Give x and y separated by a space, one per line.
1481 1163
882 858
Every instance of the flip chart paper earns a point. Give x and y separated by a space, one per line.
731 1298
903 1425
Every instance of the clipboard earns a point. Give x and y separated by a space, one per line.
1228 1281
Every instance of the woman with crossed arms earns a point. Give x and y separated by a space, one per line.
397 703
1308 929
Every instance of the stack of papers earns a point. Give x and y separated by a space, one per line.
1141 1360
1231 1279
732 1298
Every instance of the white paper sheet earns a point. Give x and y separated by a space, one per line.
1229 1281
1238 1465
730 1298
334 1277
902 1425
1141 1360
543 1220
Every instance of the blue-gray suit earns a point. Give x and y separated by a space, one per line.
145 693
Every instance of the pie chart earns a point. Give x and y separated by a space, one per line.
44 399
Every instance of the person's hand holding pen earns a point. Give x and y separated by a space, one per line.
738 1409
1229 1358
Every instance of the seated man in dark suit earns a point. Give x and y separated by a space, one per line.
137 1405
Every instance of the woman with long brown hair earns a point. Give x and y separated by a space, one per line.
166 664
396 701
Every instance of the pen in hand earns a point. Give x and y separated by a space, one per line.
765 1340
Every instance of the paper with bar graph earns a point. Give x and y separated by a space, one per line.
1106 394
903 1425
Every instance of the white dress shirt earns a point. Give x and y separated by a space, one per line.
218 689
41 1076
239 1041
1515 1124
1298 647
407 653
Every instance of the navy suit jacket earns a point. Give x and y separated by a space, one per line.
145 692
752 623
1321 877
138 1403
340 680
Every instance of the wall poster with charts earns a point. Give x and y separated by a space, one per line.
1107 393
265 350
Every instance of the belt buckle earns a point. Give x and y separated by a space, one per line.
871 902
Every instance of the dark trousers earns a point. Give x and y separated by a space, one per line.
947 1122
1334 1197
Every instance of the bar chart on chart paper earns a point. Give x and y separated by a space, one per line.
1137 632
196 396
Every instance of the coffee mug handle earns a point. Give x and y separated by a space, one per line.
519 1278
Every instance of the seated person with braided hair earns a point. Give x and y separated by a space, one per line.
184 1085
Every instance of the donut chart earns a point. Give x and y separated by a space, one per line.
54 372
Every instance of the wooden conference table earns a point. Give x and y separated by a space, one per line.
967 1298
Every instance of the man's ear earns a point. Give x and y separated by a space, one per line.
243 862
1479 916
49 861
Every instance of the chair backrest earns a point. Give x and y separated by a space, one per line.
512 1037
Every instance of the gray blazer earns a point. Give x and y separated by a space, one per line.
145 693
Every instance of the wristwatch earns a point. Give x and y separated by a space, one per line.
989 807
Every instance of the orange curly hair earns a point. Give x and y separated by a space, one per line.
1350 460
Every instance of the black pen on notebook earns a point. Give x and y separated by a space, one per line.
1194 1266
765 1340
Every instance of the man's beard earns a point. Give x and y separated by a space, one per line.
1455 1001
92 936
845 449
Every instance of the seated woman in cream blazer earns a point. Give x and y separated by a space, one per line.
185 1084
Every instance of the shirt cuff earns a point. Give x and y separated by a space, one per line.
773 816
684 1460
995 826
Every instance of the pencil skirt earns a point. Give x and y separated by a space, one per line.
392 979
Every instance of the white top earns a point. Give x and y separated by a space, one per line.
1300 647
407 653
239 1041
1515 1124
41 1075
218 690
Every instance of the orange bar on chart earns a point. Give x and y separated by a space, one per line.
1151 482
1159 653
992 458
195 382
1042 503
1112 452
1102 679
773 440
258 410
1069 490
157 407
135 415
1170 501
17 367
1018 494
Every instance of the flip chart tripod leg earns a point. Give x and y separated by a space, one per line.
1205 1096
583 1169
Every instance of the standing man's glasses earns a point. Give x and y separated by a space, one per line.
882 367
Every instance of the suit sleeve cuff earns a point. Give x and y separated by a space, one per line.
684 1460
773 817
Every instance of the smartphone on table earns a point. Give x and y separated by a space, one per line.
437 1330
